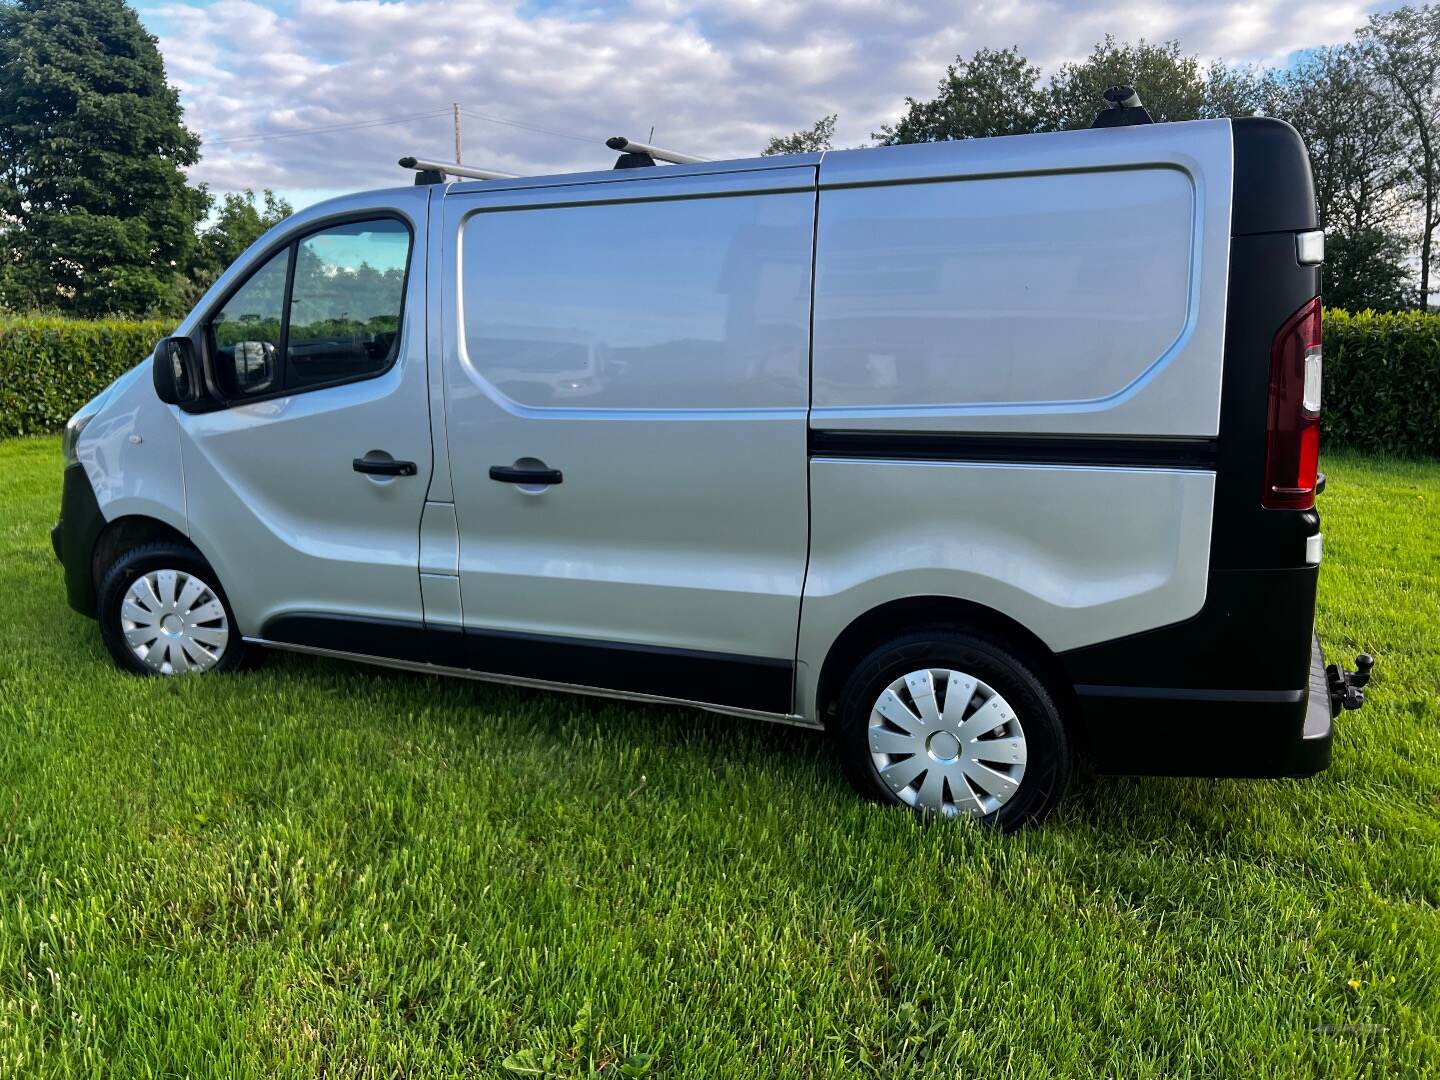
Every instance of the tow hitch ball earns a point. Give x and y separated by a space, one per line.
1347 687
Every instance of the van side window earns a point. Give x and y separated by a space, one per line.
345 302
1000 290
675 304
246 332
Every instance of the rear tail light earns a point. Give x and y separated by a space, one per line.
1292 453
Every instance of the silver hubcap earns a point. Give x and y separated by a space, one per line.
174 622
945 741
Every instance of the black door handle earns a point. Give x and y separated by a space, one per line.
508 474
383 467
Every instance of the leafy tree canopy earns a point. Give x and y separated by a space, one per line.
995 92
238 223
96 212
1172 86
817 136
1356 149
1366 269
999 92
1403 48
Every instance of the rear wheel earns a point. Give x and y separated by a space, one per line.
162 612
955 724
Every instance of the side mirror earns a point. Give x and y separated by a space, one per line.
178 380
253 365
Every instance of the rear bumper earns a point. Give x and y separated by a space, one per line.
1312 753
1152 731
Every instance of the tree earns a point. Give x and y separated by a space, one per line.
817 136
1357 152
1366 269
995 92
237 225
1172 86
1234 90
96 213
1404 47
999 92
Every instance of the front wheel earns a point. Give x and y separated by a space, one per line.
956 724
162 612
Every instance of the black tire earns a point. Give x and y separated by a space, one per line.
1001 666
163 555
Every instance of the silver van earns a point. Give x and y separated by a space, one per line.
978 455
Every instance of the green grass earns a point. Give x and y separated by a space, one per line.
326 868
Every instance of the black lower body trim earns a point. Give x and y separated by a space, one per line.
1253 633
1176 693
1136 452
1241 733
758 683
74 536
1225 693
1186 737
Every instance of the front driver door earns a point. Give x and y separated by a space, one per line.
305 491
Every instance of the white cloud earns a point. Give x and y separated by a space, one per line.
716 77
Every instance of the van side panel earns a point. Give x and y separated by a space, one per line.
1077 555
1071 283
1017 371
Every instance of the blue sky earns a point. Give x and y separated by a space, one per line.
715 77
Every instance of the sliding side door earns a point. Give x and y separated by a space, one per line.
626 390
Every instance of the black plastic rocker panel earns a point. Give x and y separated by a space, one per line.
756 683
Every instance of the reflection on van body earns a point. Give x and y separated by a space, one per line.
539 364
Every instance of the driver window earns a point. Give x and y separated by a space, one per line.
246 333
345 303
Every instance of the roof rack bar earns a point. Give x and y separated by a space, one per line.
451 168
630 146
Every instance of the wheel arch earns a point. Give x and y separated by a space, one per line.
126 532
887 620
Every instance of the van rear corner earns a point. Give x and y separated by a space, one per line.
1243 689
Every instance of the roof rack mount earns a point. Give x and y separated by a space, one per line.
1123 108
655 153
434 172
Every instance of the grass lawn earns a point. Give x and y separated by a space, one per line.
320 867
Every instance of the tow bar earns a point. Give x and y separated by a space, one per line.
1347 687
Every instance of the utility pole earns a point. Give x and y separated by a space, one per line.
456 106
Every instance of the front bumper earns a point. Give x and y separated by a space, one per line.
74 536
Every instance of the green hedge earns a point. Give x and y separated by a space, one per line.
1382 374
1382 382
50 366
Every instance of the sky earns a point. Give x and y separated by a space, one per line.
715 78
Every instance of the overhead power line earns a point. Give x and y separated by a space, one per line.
325 129
261 136
529 127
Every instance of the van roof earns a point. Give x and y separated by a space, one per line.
1161 144
1081 148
